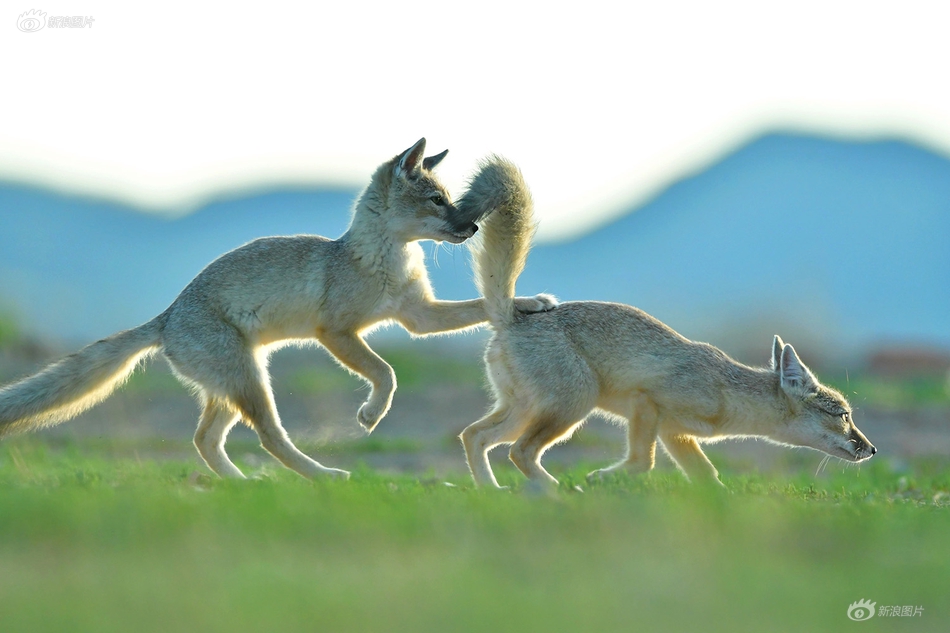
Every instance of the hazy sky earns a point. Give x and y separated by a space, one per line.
601 104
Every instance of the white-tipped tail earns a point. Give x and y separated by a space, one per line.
70 386
499 194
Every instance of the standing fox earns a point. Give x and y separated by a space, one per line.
550 370
275 291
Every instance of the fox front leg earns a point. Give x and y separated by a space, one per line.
688 455
641 440
428 316
354 353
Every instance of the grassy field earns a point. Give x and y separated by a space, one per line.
94 539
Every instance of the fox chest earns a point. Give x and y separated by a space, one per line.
370 299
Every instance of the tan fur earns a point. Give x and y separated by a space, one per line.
550 370
276 291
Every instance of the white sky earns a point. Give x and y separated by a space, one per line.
601 104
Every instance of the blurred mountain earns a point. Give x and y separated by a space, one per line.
78 269
833 244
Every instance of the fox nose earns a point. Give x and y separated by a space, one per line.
467 227
873 450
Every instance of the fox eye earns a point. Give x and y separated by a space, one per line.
438 200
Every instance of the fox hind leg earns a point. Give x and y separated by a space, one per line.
255 401
501 426
543 432
560 400
231 376
216 420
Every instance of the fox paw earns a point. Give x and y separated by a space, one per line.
539 303
602 474
597 475
632 467
370 414
540 488
336 473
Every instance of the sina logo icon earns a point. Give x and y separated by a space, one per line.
31 21
861 610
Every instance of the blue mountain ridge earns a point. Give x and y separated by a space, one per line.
851 238
843 241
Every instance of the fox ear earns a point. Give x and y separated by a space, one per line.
777 345
430 162
409 160
796 379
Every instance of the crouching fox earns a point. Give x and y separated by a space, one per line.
550 370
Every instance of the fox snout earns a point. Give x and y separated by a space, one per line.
461 228
467 230
863 449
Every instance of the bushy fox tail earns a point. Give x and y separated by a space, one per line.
70 386
499 194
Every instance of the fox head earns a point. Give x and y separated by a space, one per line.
820 416
414 204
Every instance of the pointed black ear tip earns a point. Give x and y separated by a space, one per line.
432 161
415 147
777 346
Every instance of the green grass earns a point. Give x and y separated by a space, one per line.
91 540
